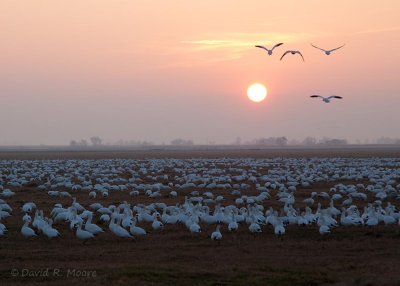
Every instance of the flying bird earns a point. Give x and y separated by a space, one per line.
293 53
328 52
269 50
327 99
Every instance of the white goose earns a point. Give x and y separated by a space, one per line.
194 227
216 235
328 52
269 51
293 53
83 234
324 228
117 229
3 229
26 230
156 225
326 99
279 228
255 228
233 225
136 230
91 227
28 207
48 229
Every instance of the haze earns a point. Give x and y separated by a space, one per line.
145 70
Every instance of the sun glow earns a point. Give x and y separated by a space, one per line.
257 92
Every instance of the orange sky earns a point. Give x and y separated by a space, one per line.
156 71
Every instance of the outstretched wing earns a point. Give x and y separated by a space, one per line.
261 47
300 55
318 48
337 48
284 55
277 45
314 96
335 96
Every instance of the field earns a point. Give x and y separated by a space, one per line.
354 255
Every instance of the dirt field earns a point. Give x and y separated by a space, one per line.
349 256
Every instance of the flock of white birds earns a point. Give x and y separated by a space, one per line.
294 52
257 194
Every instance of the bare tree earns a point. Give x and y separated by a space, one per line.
82 143
96 140
78 144
309 141
281 141
182 142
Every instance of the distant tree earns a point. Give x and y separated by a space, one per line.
281 141
387 140
294 142
78 144
327 141
96 141
309 141
181 142
238 141
270 141
82 143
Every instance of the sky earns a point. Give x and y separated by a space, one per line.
160 70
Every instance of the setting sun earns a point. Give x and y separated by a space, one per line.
257 92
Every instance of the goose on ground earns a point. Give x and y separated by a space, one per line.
279 229
156 225
50 232
194 227
324 228
3 229
91 227
136 230
233 225
216 235
83 234
27 231
117 229
255 228
28 207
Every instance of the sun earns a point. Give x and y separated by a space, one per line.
257 92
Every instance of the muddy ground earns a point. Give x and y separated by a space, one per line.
348 256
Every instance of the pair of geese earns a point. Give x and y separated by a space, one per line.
327 52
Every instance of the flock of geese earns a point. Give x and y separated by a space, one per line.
294 52
229 194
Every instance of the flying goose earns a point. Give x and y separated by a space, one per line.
269 51
326 99
328 52
293 53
